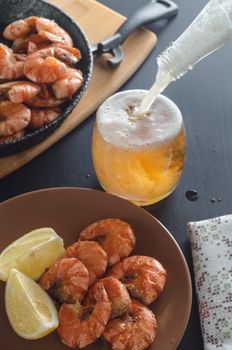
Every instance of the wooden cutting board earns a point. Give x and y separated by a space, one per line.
98 22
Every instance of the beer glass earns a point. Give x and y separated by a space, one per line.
138 157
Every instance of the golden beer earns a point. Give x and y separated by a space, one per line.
139 158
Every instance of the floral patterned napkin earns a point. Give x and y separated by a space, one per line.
211 242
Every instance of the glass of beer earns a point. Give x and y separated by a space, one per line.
138 157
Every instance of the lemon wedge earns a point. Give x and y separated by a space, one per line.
29 308
32 253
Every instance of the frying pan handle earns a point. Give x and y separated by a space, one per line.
153 11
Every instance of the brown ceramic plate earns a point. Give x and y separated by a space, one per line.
68 211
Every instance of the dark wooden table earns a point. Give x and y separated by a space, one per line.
204 96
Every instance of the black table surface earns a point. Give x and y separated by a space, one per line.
204 96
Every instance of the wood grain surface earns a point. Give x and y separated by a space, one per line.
98 22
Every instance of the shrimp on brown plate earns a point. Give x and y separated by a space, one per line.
67 280
115 236
135 330
79 325
144 277
117 293
92 255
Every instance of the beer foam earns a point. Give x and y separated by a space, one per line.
118 127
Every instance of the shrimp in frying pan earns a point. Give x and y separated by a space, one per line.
48 65
29 44
51 31
13 118
11 67
19 28
45 98
19 91
43 116
67 86
15 136
46 28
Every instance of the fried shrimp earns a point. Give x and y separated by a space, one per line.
66 87
43 116
117 293
34 42
135 330
80 326
115 236
19 91
45 98
41 102
19 28
30 43
13 118
15 136
67 280
92 255
143 276
46 28
53 32
48 65
43 67
11 67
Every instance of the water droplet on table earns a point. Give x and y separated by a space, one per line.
192 195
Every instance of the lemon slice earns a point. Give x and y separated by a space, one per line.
29 308
32 253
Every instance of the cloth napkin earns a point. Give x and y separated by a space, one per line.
211 243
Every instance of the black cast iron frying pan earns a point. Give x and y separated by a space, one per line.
12 10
